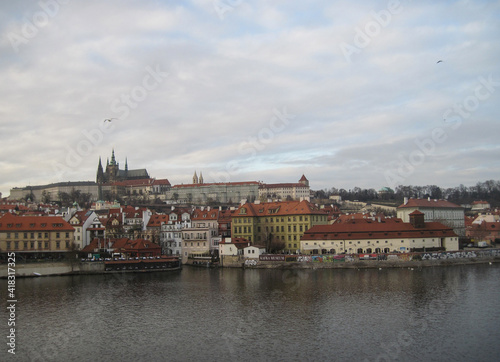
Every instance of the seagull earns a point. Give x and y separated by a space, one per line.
439 61
109 119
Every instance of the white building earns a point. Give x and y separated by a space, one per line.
442 211
253 251
358 236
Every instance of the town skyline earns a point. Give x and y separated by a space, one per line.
351 95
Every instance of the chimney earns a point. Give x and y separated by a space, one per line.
429 198
405 200
417 219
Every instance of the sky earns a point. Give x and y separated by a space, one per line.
366 93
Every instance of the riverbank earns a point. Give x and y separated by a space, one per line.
41 269
98 267
370 264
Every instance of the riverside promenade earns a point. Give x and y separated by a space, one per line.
362 261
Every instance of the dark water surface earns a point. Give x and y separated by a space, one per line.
432 314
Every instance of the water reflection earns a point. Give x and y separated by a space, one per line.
233 314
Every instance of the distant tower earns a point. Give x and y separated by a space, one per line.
195 178
304 181
126 168
112 169
99 179
201 178
100 172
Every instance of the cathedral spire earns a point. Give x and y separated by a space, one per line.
201 178
113 161
195 178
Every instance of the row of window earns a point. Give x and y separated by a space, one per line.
32 245
192 244
244 220
359 242
32 235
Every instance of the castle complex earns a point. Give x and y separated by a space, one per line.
113 172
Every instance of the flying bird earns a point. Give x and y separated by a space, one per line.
109 119
439 61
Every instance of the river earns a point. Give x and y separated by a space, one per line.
197 314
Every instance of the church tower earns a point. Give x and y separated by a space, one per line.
201 178
112 169
99 179
195 178
304 181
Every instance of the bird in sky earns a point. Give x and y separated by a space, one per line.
439 61
109 119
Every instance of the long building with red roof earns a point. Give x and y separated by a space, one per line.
379 236
35 236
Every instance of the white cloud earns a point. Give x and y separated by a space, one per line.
225 78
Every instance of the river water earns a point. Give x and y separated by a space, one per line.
197 314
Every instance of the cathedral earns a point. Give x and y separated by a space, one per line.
113 172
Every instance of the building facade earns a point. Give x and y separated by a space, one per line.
33 237
276 222
442 211
379 236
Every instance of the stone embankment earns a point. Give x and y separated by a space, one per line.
365 261
54 268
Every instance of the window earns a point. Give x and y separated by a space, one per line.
26 245
58 235
58 245
46 245
16 245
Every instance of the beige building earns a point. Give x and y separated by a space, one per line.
35 236
442 211
286 191
224 192
358 236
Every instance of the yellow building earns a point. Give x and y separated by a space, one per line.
35 236
274 223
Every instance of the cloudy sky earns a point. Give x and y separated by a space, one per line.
347 93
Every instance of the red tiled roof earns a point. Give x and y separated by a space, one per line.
218 184
429 203
282 185
368 229
157 219
212 214
9 222
282 208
